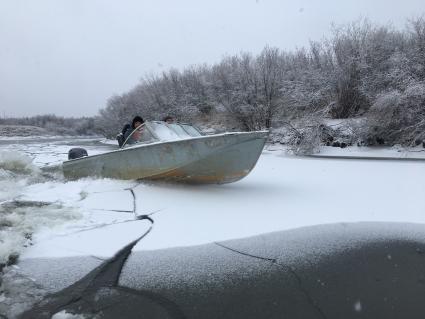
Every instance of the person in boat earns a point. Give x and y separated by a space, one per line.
168 119
128 129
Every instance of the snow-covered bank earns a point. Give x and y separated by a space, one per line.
376 152
22 131
396 152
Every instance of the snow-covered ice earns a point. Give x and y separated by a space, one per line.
65 315
282 192
396 152
43 215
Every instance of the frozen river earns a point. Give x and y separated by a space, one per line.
282 192
42 215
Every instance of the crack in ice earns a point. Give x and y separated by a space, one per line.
291 270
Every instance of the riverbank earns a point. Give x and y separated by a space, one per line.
14 131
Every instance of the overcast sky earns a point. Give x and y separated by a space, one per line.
67 57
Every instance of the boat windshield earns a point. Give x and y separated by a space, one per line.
191 130
140 135
155 131
164 132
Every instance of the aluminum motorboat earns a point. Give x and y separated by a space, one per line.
174 152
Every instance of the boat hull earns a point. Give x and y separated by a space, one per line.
221 158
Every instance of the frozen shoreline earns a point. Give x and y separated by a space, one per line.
362 152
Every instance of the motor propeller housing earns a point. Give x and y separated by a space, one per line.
76 152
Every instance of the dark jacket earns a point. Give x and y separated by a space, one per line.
125 132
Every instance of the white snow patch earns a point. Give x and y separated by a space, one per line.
358 306
377 152
109 142
66 315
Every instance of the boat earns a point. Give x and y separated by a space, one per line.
174 152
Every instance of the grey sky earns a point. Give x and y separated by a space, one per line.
68 57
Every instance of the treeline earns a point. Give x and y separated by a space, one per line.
363 70
57 124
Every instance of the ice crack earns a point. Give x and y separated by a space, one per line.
291 270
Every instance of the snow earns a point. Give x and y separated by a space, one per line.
97 216
44 216
396 152
284 193
358 306
65 315
109 142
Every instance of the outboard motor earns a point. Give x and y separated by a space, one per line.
76 153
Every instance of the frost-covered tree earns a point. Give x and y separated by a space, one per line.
398 117
358 70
